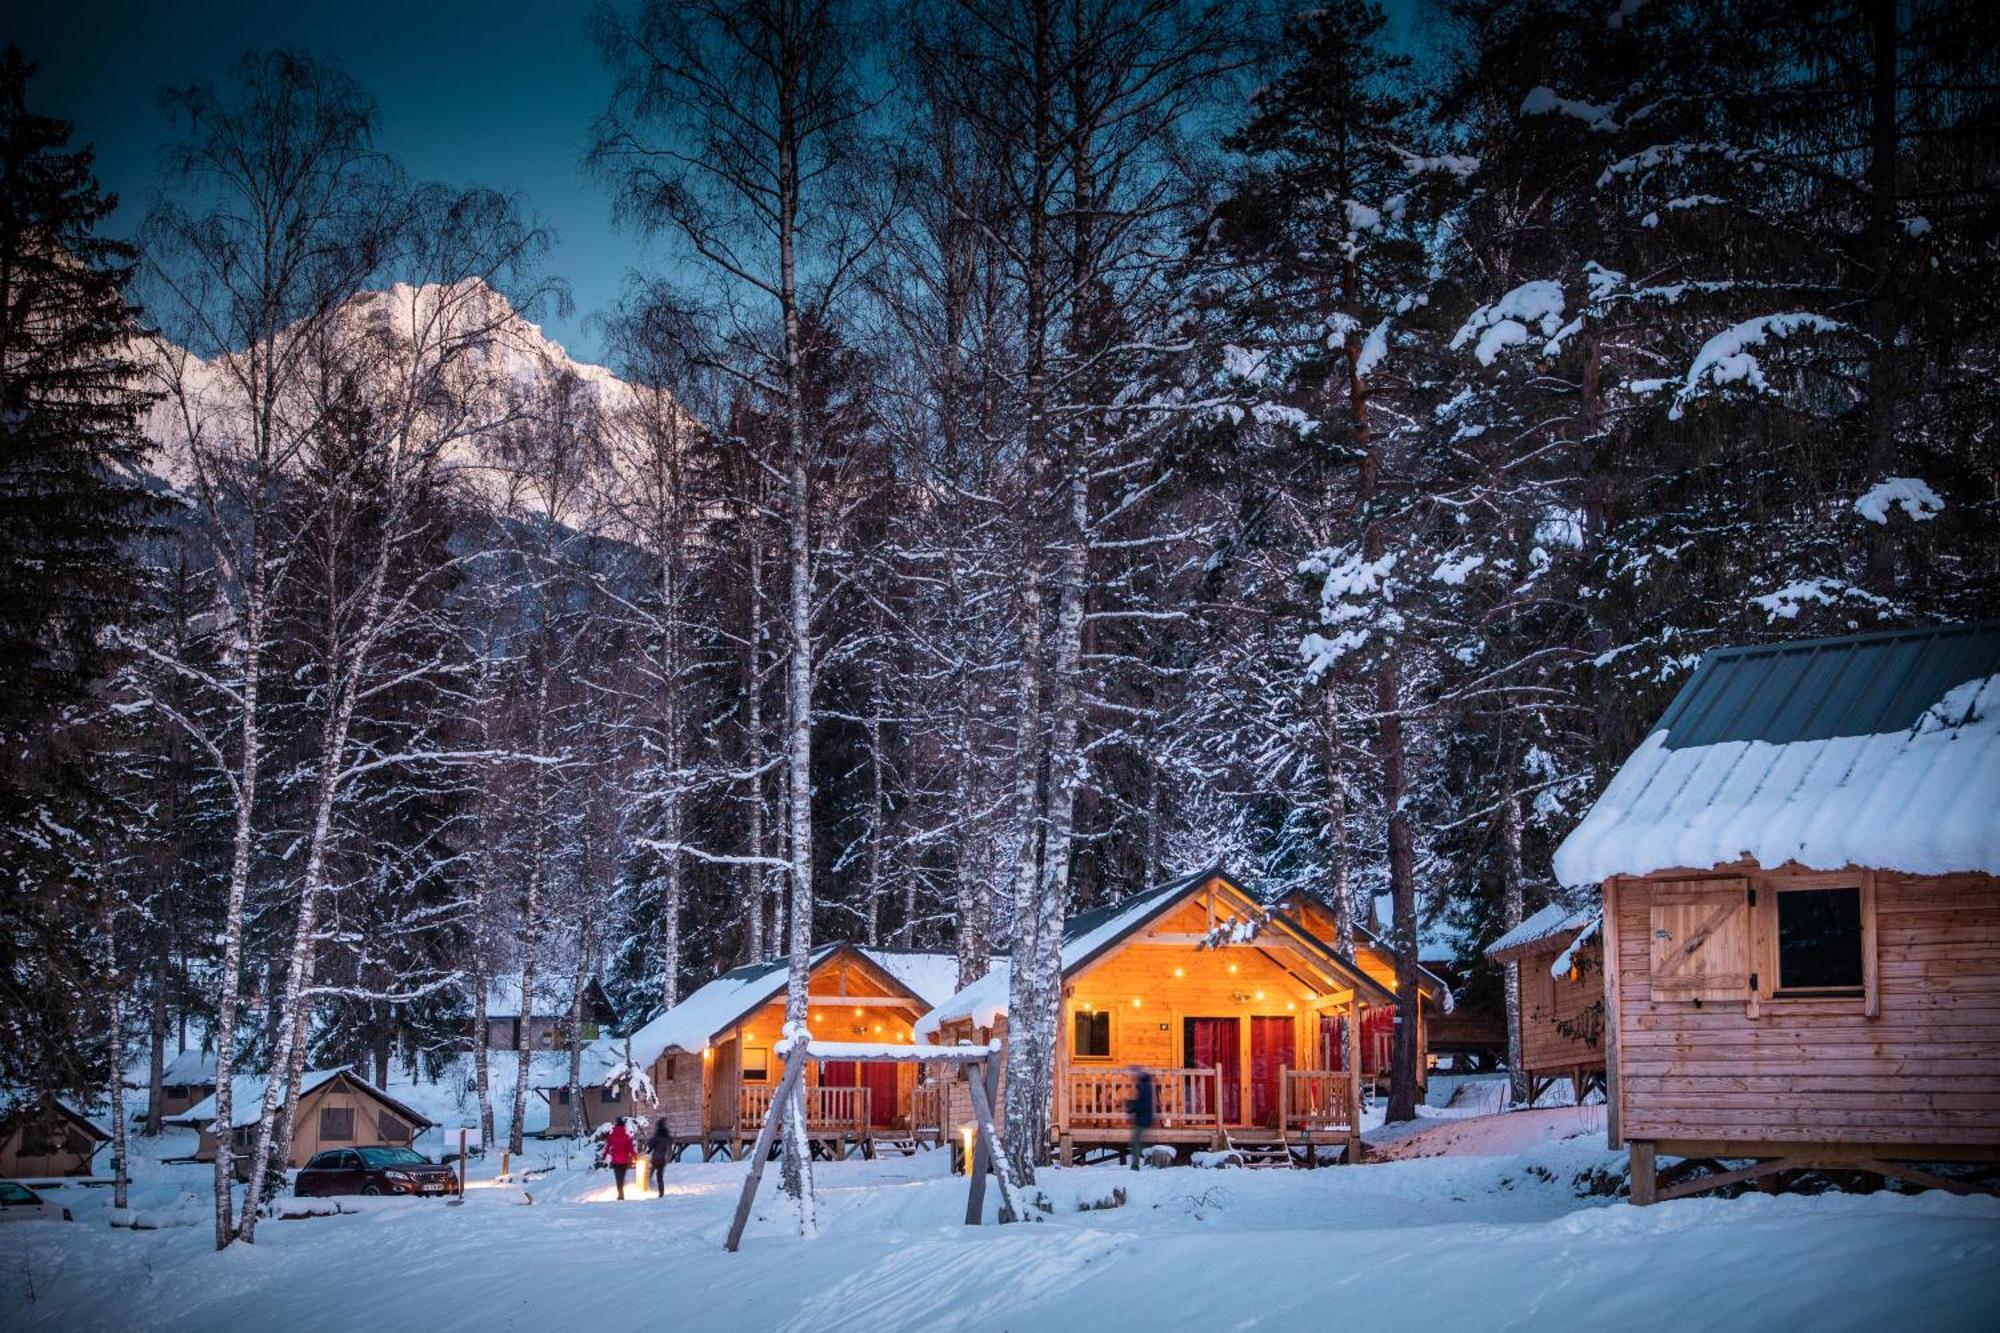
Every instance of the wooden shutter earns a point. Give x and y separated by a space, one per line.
1701 940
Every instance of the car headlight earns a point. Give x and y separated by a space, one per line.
400 1177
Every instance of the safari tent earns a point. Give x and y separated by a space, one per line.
337 1108
1802 916
45 1136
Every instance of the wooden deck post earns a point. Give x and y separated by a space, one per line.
795 1063
1645 1175
1353 1157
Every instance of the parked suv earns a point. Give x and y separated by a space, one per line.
374 1171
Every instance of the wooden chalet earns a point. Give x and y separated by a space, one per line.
1248 1023
337 1108
1801 888
46 1137
710 1060
546 1024
1435 1006
1561 963
185 1080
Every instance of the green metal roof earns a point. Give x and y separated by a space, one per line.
1817 689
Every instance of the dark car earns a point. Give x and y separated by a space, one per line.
374 1171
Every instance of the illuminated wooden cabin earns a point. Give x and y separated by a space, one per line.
1561 961
1801 880
712 1069
1373 955
1247 1023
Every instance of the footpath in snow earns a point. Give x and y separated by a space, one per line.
1433 1237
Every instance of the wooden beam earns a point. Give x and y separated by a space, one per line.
1645 1174
860 1002
795 1063
1608 933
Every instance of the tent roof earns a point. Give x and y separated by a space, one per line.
247 1099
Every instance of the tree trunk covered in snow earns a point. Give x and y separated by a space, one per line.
1512 909
532 909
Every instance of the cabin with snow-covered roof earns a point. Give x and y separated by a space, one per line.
1561 963
711 1067
1801 887
1248 1023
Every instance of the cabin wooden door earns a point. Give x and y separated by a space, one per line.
878 1076
1211 1042
1270 1052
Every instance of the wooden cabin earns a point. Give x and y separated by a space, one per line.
1801 886
1249 1025
1561 964
47 1137
185 1080
545 1026
337 1108
1372 953
711 1063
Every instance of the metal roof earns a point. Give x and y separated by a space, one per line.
1880 751
1818 689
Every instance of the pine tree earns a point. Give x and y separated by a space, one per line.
69 441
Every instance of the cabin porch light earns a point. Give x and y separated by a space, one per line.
1135 1002
1232 969
1180 971
1260 995
857 1011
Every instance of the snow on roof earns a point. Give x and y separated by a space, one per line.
1877 750
597 1061
247 1097
503 993
689 1025
190 1067
1086 934
1552 922
932 977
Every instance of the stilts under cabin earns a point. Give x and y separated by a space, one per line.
1561 960
1801 887
1250 1026
711 1063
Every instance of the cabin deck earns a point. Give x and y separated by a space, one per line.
1310 1107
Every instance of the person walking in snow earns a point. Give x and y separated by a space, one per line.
658 1149
1141 1108
619 1152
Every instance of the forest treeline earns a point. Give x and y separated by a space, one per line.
1071 443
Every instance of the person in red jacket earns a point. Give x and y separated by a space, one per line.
619 1151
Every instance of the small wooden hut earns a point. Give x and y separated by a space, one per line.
46 1136
1436 1007
1248 1024
187 1078
1561 962
712 1072
1801 888
337 1108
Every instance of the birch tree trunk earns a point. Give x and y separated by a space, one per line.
1512 909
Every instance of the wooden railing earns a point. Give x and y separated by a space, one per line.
1315 1099
828 1110
1182 1098
927 1109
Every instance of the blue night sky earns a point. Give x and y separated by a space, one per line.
486 92
498 93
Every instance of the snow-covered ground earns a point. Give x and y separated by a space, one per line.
1510 1239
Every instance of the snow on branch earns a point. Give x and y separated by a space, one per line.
1727 358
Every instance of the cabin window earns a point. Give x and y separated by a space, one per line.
756 1063
336 1123
562 1096
608 1096
1093 1034
392 1128
1819 940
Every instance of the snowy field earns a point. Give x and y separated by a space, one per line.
1507 1239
